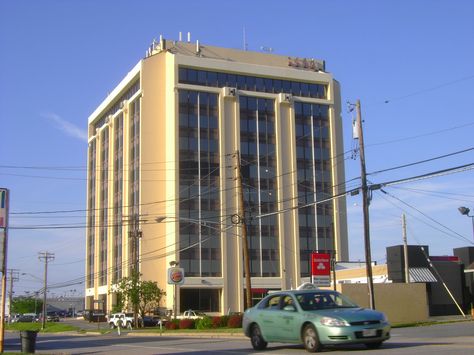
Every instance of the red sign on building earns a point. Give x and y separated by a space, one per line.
321 269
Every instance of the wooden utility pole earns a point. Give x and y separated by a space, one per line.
4 205
405 249
135 234
46 257
365 205
14 276
241 219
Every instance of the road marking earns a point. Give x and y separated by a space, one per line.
174 349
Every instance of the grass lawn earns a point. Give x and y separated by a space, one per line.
51 327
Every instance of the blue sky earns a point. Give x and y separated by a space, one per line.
409 62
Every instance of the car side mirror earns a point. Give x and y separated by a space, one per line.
290 308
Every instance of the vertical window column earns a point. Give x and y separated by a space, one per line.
118 200
314 181
134 179
104 210
199 186
91 215
258 151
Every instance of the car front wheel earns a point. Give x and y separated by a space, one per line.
111 325
256 339
311 340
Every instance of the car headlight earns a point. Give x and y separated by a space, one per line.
333 322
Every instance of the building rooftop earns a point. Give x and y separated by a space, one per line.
196 49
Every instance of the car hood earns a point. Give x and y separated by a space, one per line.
350 314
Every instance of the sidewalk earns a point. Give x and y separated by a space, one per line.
451 318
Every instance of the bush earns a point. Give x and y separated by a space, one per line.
186 324
235 321
204 323
172 324
216 322
224 321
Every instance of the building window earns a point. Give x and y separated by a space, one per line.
104 210
314 181
251 83
91 215
258 156
204 300
117 242
134 176
199 198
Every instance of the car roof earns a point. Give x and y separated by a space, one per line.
299 292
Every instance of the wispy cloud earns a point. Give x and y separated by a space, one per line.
67 127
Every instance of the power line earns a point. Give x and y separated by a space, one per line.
428 217
420 135
421 161
433 88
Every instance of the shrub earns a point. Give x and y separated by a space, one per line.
204 323
172 324
235 321
186 324
216 322
224 320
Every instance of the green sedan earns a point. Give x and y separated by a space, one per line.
316 318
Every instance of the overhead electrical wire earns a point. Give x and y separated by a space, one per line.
454 233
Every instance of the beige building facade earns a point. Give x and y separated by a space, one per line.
165 148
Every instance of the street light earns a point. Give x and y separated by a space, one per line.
465 211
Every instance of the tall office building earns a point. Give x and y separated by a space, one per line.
165 148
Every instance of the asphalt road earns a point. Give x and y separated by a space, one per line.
453 338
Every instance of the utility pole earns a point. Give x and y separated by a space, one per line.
405 249
14 276
135 234
46 257
240 219
365 205
4 214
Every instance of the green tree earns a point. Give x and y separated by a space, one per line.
142 296
26 305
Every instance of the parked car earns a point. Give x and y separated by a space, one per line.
126 320
94 315
52 317
151 321
27 318
190 314
315 318
14 318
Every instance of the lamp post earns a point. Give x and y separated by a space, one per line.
465 211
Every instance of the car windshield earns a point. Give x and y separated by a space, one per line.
310 301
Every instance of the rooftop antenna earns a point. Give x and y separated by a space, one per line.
245 40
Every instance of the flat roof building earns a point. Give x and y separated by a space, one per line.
165 150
